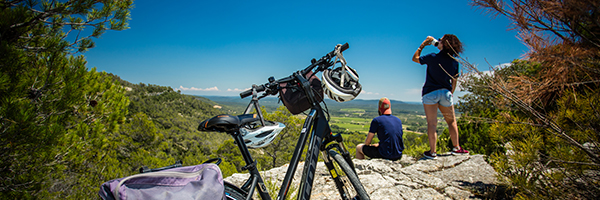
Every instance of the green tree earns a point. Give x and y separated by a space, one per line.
280 151
544 113
175 117
56 116
231 155
478 115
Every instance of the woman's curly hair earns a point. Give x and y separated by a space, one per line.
452 44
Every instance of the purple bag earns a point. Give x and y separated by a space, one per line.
203 181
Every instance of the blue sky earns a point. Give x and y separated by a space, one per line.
219 48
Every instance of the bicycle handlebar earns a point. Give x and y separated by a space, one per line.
344 47
246 93
274 83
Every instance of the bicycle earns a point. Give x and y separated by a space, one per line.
336 157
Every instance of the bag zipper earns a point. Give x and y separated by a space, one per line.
160 174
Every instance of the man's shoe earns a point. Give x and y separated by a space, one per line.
459 151
430 155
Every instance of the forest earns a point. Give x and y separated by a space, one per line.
65 128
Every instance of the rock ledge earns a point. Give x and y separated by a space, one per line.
448 177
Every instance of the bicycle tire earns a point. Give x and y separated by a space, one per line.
351 186
233 192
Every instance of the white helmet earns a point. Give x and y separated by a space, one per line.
341 84
256 136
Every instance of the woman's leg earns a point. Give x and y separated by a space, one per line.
431 115
449 116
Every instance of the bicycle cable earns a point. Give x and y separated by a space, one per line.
325 109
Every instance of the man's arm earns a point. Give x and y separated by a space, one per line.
369 138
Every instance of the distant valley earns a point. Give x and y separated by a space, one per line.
272 103
352 116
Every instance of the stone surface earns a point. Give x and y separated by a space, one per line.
448 177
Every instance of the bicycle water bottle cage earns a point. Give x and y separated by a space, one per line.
226 123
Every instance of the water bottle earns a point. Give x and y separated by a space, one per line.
435 42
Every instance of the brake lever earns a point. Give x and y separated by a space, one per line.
264 95
273 87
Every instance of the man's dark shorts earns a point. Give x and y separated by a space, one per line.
373 152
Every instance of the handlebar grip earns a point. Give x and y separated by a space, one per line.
344 47
247 93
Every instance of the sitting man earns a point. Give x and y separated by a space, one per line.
389 131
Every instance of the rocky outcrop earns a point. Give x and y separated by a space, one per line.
448 177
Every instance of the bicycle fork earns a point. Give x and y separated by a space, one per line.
341 148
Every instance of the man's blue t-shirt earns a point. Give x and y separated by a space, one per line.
389 132
436 78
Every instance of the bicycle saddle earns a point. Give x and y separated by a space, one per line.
226 123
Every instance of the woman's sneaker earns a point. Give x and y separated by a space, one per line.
430 155
459 151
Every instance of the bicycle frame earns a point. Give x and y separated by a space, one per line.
317 128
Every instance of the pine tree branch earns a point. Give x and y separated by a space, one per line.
499 87
574 162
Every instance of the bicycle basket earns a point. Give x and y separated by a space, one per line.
294 99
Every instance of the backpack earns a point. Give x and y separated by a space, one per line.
203 181
294 98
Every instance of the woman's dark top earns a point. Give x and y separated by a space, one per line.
436 77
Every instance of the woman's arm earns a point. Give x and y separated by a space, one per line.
415 57
417 54
454 84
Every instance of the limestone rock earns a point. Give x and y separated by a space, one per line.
448 177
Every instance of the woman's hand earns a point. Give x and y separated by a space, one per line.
427 41
417 54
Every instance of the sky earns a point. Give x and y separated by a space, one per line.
220 48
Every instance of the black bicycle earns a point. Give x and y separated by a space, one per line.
316 131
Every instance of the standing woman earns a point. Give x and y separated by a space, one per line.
442 74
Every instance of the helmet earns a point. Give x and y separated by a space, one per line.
341 84
256 136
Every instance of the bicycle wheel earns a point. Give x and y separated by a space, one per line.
232 192
347 181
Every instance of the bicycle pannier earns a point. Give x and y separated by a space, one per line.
203 181
294 98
